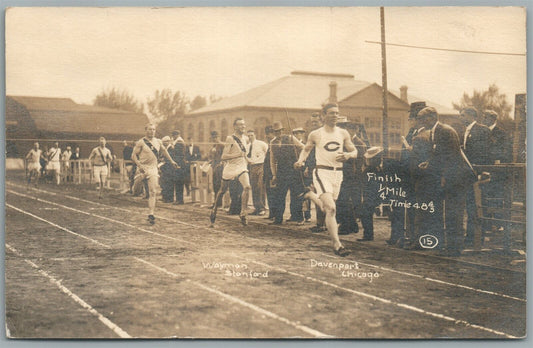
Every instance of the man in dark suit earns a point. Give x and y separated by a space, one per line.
476 145
284 153
501 150
267 173
192 153
402 219
455 173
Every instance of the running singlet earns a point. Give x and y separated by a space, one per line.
146 156
55 154
235 166
328 146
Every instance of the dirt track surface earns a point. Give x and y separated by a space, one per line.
80 267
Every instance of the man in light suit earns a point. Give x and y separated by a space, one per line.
455 173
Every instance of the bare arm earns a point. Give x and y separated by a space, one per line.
349 146
311 141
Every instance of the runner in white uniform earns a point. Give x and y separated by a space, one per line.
33 164
236 168
146 155
100 157
329 142
54 155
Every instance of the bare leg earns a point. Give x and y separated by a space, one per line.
331 222
244 179
218 200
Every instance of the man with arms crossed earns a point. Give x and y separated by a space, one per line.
145 156
100 156
328 142
234 154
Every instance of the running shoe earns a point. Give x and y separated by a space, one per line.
342 252
151 219
212 217
244 220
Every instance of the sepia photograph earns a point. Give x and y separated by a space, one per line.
265 173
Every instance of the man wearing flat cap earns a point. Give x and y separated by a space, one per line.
447 163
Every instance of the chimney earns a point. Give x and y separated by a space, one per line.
403 94
332 92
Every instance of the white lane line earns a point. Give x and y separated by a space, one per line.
390 302
243 303
330 256
304 328
114 207
99 216
435 280
56 226
114 327
436 315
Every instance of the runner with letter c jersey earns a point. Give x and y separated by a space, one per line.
329 143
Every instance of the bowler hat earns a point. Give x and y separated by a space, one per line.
373 152
175 132
415 107
428 111
214 134
277 126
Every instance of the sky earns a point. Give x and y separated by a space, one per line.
79 52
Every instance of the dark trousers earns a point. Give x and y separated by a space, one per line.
235 192
270 193
367 220
258 189
178 186
284 184
454 206
348 205
471 213
166 182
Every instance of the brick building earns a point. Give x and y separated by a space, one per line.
299 95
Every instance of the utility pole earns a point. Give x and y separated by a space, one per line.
385 135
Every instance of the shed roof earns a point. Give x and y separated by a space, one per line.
64 115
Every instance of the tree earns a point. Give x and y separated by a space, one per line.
489 99
213 98
167 108
198 102
115 98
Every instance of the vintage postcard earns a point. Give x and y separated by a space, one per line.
265 172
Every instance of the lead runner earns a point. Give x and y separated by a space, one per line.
145 155
236 168
329 141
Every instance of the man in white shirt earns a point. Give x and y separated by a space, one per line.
65 158
100 157
256 157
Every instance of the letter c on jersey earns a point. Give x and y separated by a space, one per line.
332 146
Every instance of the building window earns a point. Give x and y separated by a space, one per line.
212 126
190 131
223 129
200 132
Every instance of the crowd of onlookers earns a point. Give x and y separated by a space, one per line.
425 191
